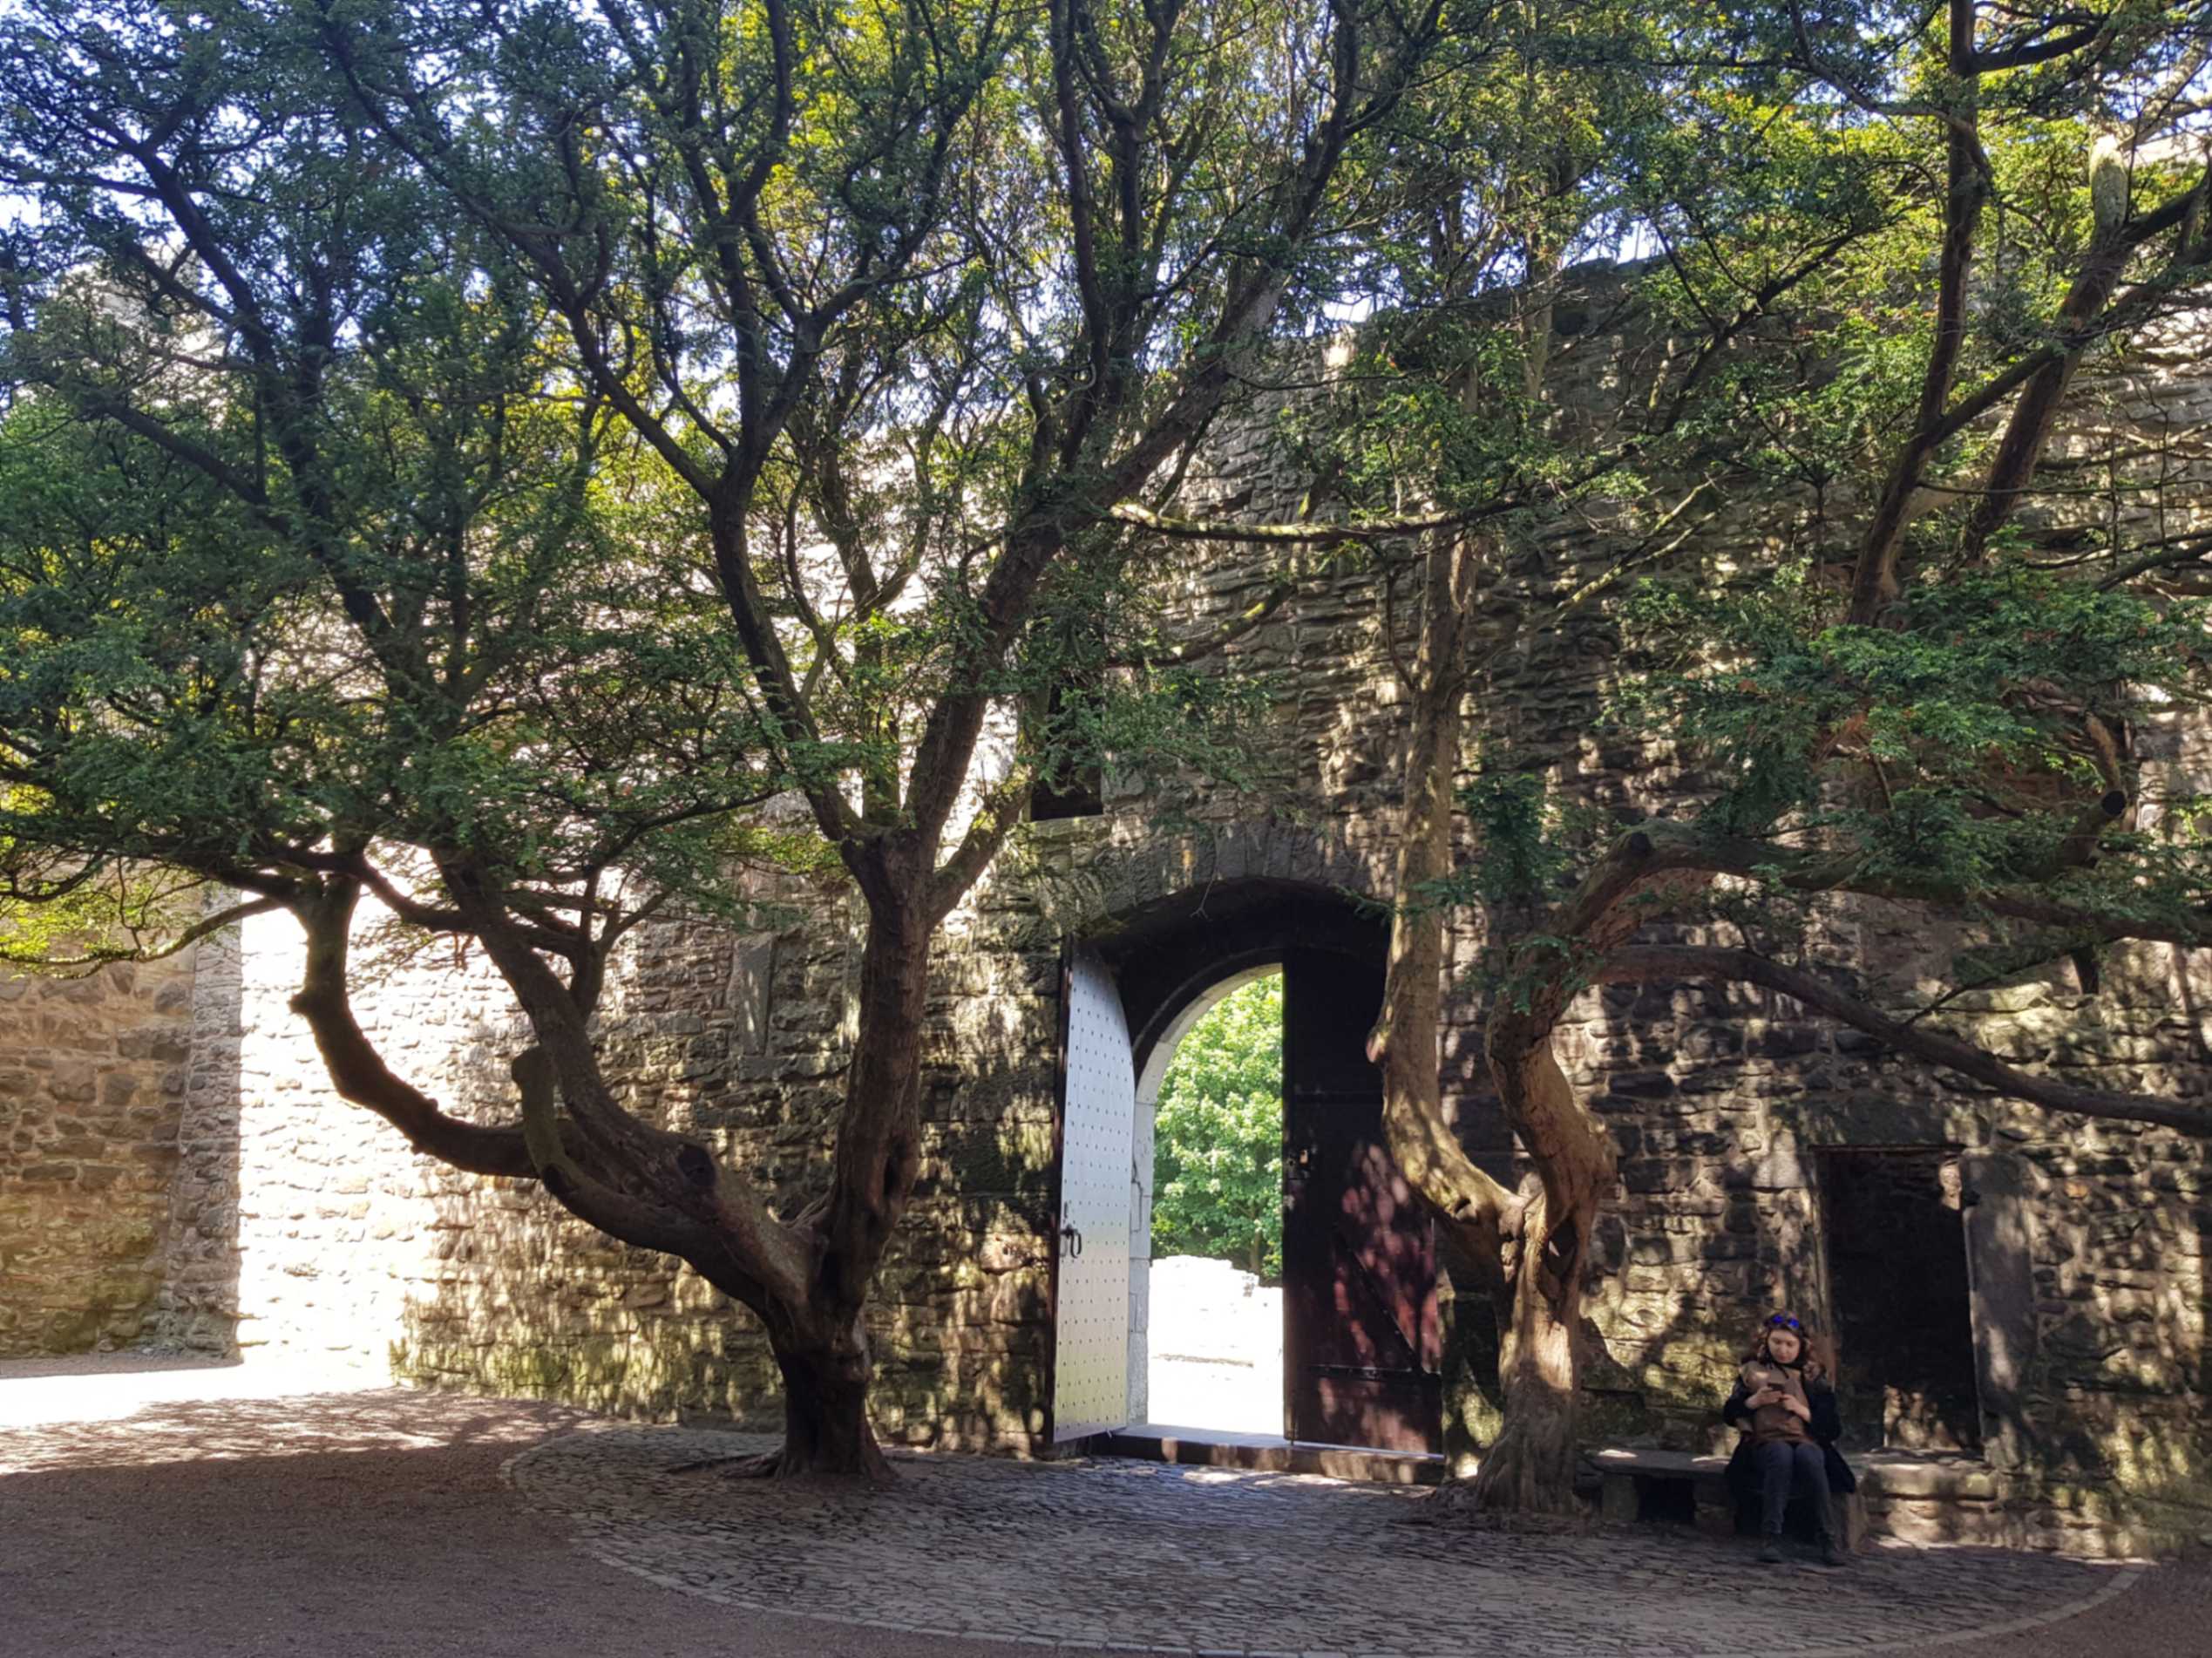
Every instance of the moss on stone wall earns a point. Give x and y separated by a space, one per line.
91 1092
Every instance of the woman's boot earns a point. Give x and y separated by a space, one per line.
1831 1544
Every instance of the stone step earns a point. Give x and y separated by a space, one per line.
1267 1453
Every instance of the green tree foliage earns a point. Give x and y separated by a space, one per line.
317 571
1217 1142
1929 690
472 456
1896 245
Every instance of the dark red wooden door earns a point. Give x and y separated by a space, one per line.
1363 1336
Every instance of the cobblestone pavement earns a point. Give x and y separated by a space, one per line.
1134 1556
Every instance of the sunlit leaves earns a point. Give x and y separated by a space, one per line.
311 540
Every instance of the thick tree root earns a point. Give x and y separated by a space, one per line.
773 1464
1459 1504
763 1465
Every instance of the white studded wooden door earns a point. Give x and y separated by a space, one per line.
1098 1123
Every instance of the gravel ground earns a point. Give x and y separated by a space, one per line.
230 1515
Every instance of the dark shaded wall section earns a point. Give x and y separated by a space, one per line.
92 1075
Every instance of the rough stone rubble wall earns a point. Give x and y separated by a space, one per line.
2090 1238
91 1090
2089 1244
301 1226
300 1223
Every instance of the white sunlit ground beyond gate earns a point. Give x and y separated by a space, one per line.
1216 1340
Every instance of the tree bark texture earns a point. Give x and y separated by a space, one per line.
1405 1041
1530 1470
1874 584
826 1432
821 1344
879 1145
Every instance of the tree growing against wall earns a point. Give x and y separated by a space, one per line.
1933 703
1809 355
528 436
1217 1138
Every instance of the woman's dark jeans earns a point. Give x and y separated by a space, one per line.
1782 1465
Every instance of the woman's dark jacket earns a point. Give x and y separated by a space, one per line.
1825 1429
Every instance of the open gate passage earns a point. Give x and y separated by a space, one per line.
1362 1325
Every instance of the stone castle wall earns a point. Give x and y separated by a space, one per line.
303 1228
303 1225
91 1090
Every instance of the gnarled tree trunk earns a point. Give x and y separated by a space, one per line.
1530 1469
1532 1249
1534 1246
819 1336
826 1431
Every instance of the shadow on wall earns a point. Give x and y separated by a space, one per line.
512 1296
2093 1365
1698 1241
2100 1448
94 1093
743 1046
1719 1102
198 1309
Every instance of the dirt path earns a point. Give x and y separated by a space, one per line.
354 1525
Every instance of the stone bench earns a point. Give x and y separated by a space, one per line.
1922 1498
1626 1477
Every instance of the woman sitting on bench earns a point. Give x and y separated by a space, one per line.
1785 1406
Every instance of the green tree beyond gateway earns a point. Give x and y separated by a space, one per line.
1217 1157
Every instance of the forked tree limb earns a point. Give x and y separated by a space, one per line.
1874 582
2027 433
1641 964
562 1160
359 1073
2089 313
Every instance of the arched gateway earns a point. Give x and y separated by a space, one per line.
1362 1334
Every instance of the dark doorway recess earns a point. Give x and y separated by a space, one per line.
1897 1280
1077 790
